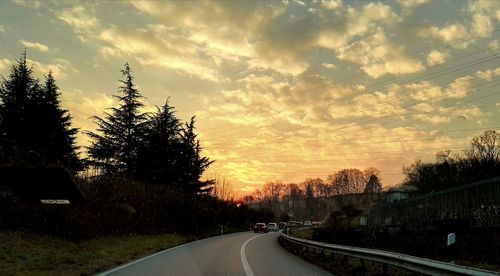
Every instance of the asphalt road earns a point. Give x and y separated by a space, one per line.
235 254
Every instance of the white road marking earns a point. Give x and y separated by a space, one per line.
161 252
244 261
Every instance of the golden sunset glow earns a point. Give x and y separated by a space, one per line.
282 90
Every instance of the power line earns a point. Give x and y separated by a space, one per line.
384 81
364 120
295 155
355 113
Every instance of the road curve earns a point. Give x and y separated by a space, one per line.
234 254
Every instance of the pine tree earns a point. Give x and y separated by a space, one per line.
160 150
115 147
56 136
191 164
34 127
16 95
373 185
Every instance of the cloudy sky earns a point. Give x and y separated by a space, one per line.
282 90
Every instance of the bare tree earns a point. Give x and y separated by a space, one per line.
223 189
347 181
273 191
316 185
248 199
293 198
485 148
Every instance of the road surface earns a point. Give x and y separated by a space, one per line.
244 253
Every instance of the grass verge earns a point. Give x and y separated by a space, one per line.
37 254
303 234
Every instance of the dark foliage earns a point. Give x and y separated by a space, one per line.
149 166
115 146
153 148
158 154
192 163
171 155
34 129
480 161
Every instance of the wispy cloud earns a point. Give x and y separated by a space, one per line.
435 57
35 45
157 45
4 64
28 3
328 65
378 56
61 68
78 17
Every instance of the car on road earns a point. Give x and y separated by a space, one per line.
260 227
316 223
307 223
272 226
282 225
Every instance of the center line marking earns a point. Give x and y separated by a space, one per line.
244 261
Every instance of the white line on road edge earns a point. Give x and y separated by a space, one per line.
244 261
161 252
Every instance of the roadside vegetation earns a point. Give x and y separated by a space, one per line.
303 234
139 181
31 253
455 194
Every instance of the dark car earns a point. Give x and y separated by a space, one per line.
260 227
282 225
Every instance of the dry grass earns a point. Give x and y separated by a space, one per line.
36 254
303 234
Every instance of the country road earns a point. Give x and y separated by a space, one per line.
234 254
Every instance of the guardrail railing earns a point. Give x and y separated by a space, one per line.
412 263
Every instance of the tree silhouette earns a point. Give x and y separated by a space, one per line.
309 200
114 148
56 137
373 185
480 161
16 93
347 181
33 126
160 151
192 165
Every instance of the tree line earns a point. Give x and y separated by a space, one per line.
481 160
303 199
33 126
150 147
141 172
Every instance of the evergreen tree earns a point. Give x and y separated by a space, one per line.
115 147
192 165
33 126
160 151
373 185
56 136
309 200
16 95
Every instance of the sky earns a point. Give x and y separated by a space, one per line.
281 90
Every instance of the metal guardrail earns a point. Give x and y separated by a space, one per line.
421 265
